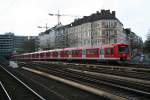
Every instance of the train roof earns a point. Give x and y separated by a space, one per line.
101 46
77 48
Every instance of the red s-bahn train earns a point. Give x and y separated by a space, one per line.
105 53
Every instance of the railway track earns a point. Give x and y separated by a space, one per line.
54 90
140 73
4 94
115 65
64 91
15 89
87 77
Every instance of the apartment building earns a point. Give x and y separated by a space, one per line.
60 36
52 38
6 44
99 28
18 41
135 42
10 43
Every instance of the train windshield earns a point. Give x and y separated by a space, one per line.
123 49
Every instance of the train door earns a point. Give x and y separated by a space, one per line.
70 54
83 53
102 52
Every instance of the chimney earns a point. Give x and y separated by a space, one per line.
113 14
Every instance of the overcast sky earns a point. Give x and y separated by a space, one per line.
23 16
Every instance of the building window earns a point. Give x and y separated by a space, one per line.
115 40
115 24
103 24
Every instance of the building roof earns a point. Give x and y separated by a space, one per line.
104 14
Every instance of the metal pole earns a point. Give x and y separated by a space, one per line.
46 27
58 18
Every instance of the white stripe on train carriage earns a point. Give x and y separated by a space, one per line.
94 58
77 58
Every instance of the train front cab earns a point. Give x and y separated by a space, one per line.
123 52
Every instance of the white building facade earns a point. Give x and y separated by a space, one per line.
46 40
97 29
79 35
52 38
104 29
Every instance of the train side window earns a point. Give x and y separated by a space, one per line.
61 52
92 51
77 52
55 54
37 55
41 54
47 54
73 52
95 51
109 51
87 51
33 55
66 52
80 52
123 49
69 52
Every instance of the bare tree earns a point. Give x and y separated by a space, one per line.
29 46
147 43
148 35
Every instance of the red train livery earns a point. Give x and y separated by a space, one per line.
110 52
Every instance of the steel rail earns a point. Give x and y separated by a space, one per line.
77 85
39 96
6 93
115 85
